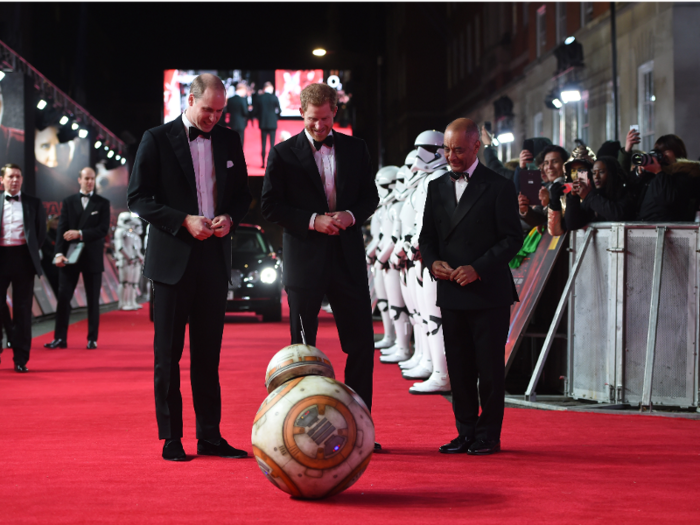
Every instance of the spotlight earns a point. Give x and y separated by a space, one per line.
569 40
319 52
123 160
2 75
106 148
98 144
570 93
83 133
557 103
110 154
505 137
552 100
64 120
41 104
118 157
74 126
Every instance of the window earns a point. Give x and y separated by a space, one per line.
586 12
541 30
582 123
504 152
469 49
537 125
610 112
561 22
477 40
558 126
645 104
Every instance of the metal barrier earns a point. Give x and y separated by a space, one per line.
633 315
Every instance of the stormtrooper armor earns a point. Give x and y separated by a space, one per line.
128 251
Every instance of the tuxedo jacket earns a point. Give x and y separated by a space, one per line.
293 191
93 221
34 218
483 231
237 108
267 110
163 191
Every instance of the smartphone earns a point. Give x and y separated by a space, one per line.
634 127
583 176
487 126
530 182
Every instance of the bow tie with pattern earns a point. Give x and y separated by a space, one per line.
12 198
456 176
196 132
328 141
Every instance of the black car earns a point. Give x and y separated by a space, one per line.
256 275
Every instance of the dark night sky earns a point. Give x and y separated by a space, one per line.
110 57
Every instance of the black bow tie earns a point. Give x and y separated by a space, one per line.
12 198
328 141
196 132
86 195
456 176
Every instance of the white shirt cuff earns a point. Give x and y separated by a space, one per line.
353 217
311 222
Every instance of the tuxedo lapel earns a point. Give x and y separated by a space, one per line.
447 195
302 149
181 147
219 157
475 188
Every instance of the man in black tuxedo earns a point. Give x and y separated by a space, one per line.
319 186
22 231
471 230
237 108
267 107
84 218
190 183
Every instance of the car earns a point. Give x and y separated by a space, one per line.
256 274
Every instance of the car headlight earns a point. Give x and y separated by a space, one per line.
268 275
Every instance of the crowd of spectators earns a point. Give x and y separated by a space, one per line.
615 184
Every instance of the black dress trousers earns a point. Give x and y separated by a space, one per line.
200 299
352 311
475 350
67 281
16 268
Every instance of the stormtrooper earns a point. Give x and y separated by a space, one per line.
401 349
429 363
385 181
128 251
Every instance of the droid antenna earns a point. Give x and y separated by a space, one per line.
303 334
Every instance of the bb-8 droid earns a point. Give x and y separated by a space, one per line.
313 436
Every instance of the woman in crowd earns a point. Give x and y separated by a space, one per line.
603 196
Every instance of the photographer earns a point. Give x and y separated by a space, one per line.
667 185
601 196
552 166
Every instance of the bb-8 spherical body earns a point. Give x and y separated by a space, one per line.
313 437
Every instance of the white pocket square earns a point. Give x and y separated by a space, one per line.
229 164
94 213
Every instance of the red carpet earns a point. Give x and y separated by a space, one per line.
79 445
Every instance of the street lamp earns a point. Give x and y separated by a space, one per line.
319 52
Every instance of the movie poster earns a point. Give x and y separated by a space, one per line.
12 120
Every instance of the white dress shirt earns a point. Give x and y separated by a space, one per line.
12 222
325 162
204 175
85 199
461 184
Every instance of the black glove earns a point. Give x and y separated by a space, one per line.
556 190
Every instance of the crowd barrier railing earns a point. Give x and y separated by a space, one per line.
633 325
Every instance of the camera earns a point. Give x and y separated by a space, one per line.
644 159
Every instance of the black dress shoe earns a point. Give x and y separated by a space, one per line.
484 447
221 449
459 445
56 343
173 451
377 447
92 345
21 369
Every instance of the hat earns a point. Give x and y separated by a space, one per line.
610 148
582 154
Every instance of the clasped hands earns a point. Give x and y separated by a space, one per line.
463 275
202 228
332 222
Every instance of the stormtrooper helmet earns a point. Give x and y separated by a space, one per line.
430 153
411 158
400 191
385 179
124 220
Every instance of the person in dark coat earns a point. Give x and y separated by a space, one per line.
237 108
267 108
